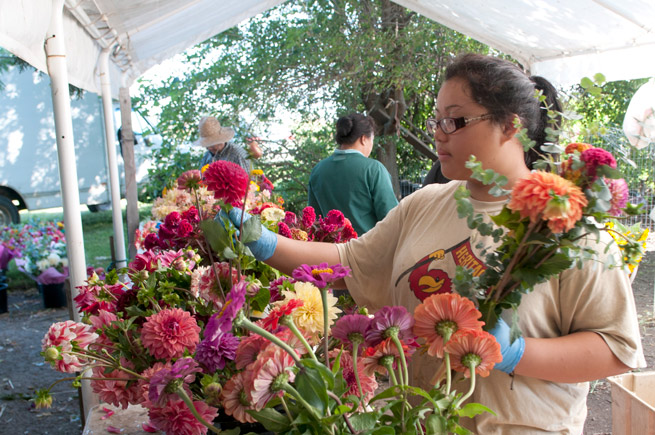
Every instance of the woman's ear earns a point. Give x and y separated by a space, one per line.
512 126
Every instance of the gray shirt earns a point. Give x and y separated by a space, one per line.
231 153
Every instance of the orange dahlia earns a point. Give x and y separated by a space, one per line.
472 347
579 147
440 316
549 197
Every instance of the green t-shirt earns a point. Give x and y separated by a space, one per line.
354 184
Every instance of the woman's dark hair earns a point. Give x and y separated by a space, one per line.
353 126
504 90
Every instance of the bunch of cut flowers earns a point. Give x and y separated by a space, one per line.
203 334
553 221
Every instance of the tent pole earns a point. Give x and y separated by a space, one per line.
110 132
56 61
127 137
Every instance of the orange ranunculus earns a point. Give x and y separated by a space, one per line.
549 197
471 347
579 147
442 315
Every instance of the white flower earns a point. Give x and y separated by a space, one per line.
64 262
42 264
272 214
54 259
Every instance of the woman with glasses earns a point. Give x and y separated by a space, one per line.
577 327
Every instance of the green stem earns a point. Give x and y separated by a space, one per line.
448 374
325 325
359 384
345 416
189 403
286 409
288 321
392 374
296 395
243 321
470 391
403 362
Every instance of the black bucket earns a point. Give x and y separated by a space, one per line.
3 297
54 295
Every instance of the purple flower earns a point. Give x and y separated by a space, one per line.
166 381
320 275
390 321
221 322
277 285
213 353
351 329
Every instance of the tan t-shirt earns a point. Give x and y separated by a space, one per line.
413 253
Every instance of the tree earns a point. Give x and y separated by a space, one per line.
319 58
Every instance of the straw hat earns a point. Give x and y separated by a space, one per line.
211 133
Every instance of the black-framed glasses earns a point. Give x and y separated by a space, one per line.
451 125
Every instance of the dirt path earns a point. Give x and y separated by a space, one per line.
22 370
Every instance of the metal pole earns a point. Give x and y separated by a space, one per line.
56 61
114 181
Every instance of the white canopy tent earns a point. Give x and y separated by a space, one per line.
562 40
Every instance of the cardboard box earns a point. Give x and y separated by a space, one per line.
633 403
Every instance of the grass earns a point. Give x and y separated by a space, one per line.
97 229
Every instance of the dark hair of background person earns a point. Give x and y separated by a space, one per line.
435 175
353 126
504 90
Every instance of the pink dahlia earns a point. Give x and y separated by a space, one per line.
169 333
143 385
190 180
235 398
176 418
66 337
145 261
596 157
269 374
549 197
165 383
228 181
619 190
116 387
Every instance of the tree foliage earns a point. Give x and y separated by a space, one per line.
318 59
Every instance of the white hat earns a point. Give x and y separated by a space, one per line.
211 133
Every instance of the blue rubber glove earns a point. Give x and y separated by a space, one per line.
262 248
512 352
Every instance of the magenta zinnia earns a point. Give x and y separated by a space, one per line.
320 275
440 316
228 181
390 321
165 382
549 197
351 329
169 333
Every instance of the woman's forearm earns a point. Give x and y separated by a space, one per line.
578 357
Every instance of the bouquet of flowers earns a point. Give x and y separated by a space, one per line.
552 223
39 250
203 333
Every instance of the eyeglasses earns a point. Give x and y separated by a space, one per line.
451 125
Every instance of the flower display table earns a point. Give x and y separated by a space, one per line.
128 421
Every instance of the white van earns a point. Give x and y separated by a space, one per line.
29 170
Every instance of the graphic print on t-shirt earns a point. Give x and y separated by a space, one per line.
429 275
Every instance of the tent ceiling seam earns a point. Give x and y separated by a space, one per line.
604 4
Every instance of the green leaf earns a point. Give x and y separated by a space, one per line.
271 419
252 230
261 299
470 410
365 421
586 82
436 424
384 431
327 374
228 253
609 172
312 388
216 234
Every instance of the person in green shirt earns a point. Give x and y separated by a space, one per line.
351 182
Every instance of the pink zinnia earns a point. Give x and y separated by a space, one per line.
268 374
228 181
234 397
176 418
373 361
473 348
596 157
115 392
249 349
66 337
367 381
190 180
270 323
169 333
619 190
351 329
549 197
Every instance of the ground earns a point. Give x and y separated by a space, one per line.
23 370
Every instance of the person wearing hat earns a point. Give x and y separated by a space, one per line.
216 139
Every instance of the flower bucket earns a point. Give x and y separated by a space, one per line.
54 295
3 297
633 403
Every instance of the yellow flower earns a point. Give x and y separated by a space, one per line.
256 172
272 214
204 168
309 317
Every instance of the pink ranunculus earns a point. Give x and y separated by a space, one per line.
169 333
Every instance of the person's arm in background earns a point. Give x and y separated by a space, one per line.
384 198
253 147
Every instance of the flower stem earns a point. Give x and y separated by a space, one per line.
288 322
448 374
470 391
241 320
392 374
345 416
296 395
189 403
286 409
359 384
403 362
325 325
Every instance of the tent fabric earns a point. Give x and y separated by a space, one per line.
562 40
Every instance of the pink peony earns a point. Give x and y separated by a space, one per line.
66 337
619 190
169 333
176 418
228 181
